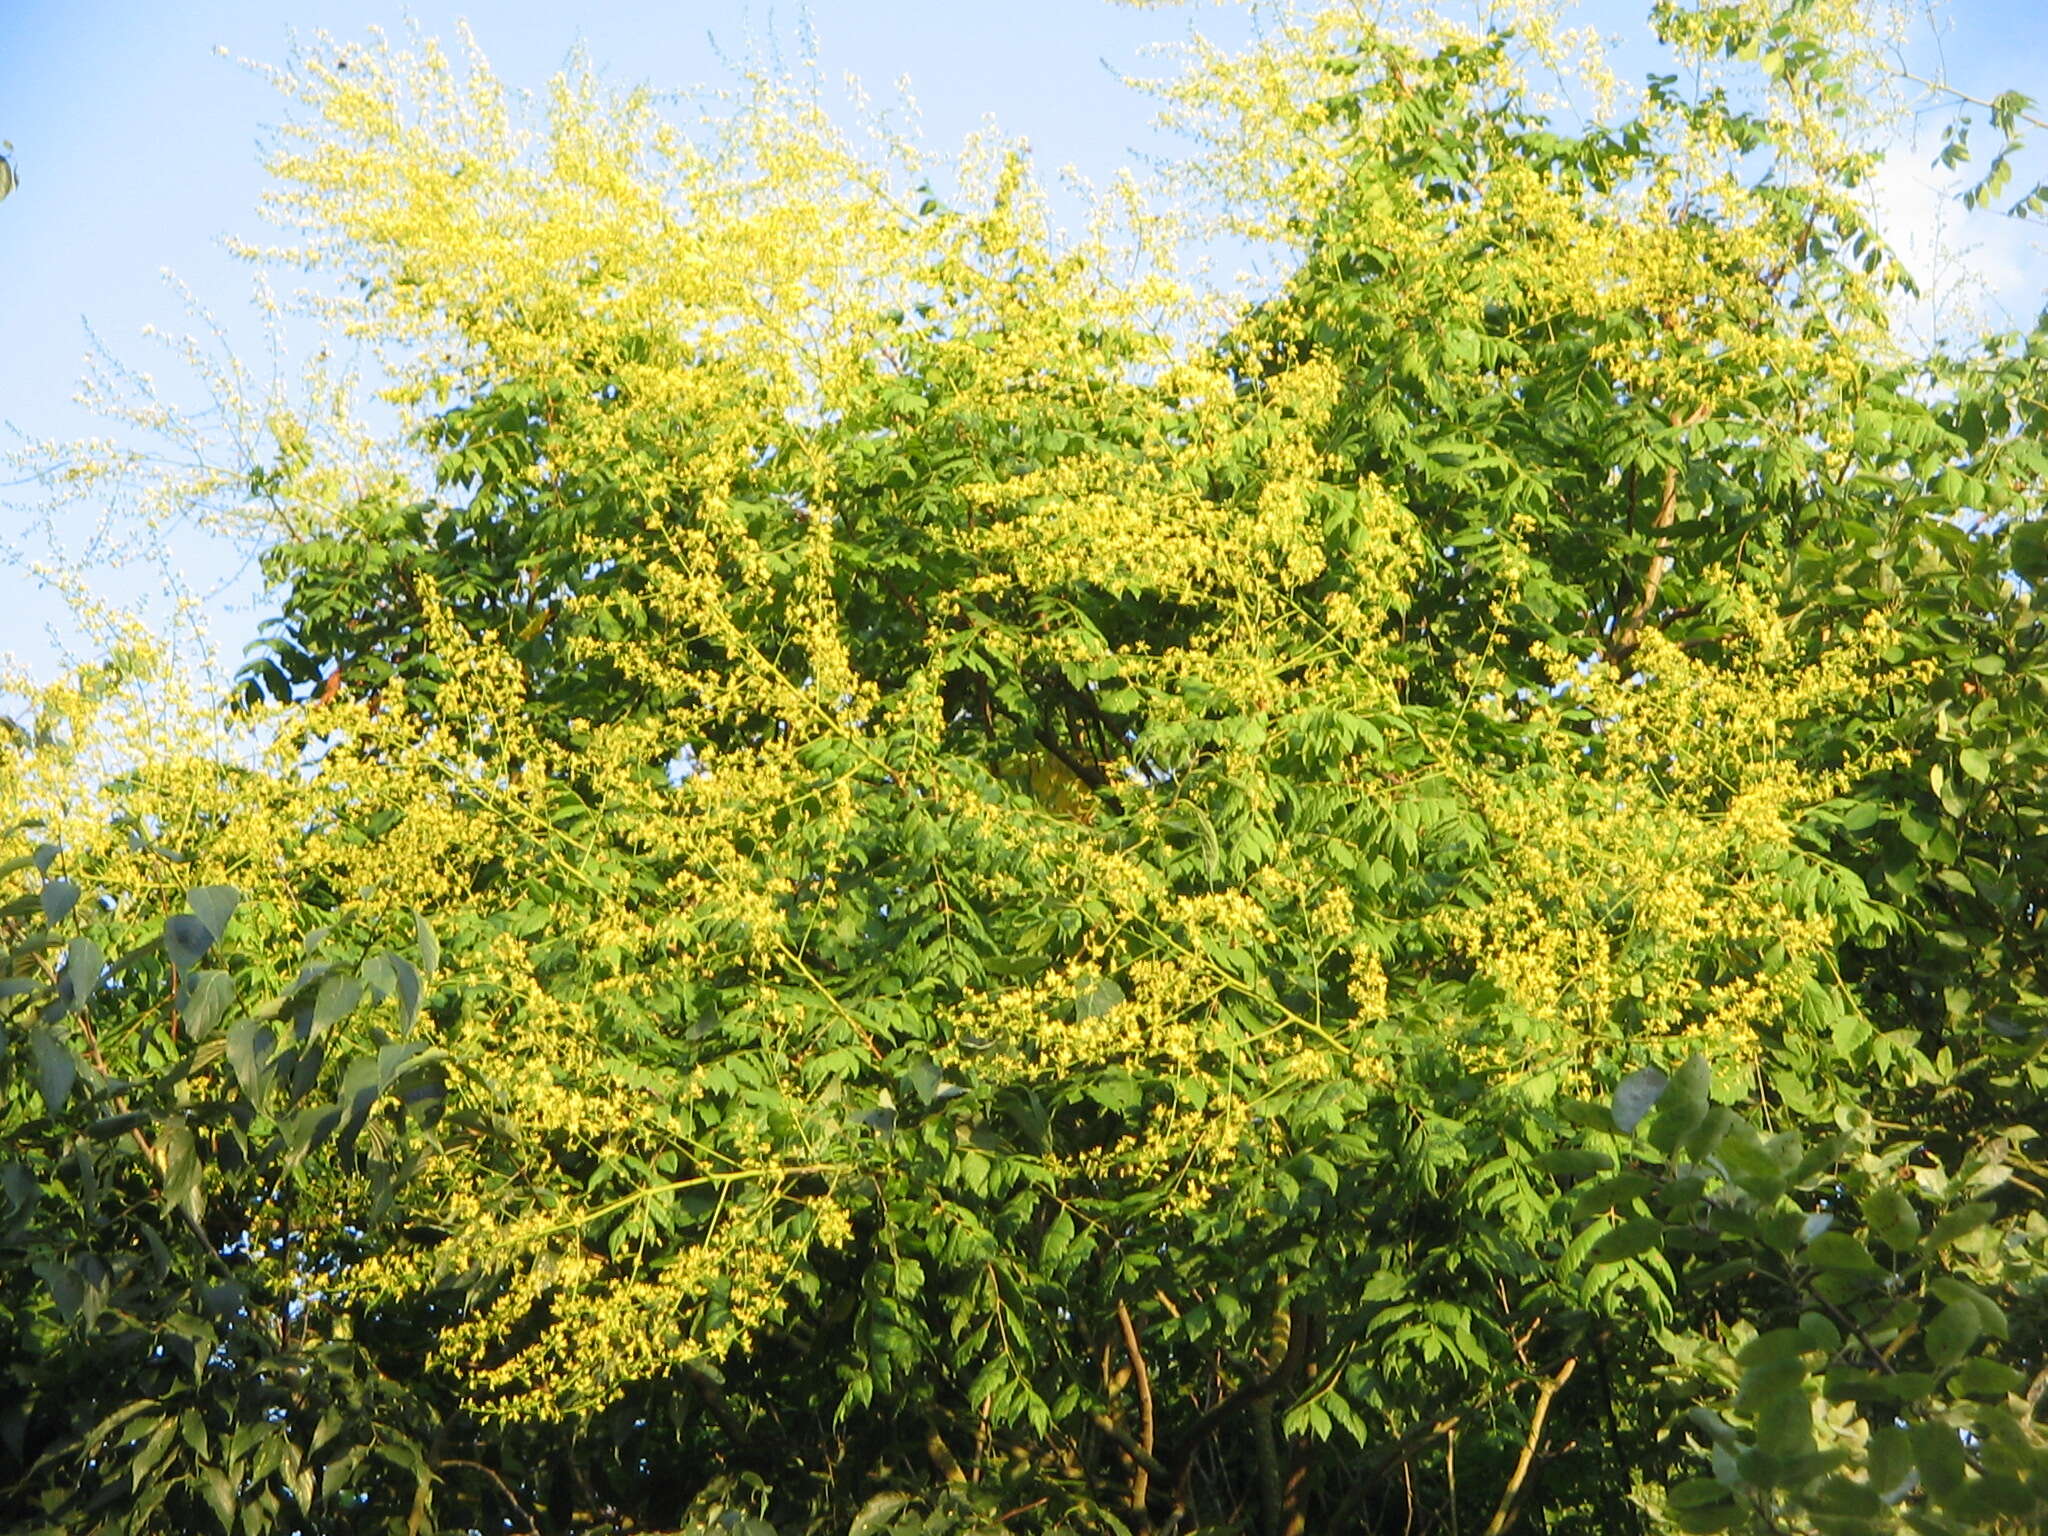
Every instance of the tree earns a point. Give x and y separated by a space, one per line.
937 908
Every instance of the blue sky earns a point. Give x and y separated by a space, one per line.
139 147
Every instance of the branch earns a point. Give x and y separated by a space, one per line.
1093 777
1943 88
1264 1386
1128 1442
944 1461
1881 1356
713 1398
1629 633
1504 1515
1141 1480
1268 1453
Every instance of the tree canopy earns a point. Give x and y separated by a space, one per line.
887 873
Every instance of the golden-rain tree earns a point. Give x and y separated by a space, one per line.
888 879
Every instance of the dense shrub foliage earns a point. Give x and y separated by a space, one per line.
882 879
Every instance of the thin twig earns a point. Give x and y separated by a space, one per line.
502 1486
1965 98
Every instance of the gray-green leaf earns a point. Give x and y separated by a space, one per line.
58 898
55 1069
83 963
213 905
335 1001
207 995
1634 1098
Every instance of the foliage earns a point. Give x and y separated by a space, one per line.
942 901
1857 1392
176 1359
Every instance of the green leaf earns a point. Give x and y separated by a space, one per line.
1938 1452
1890 1461
207 996
56 1071
1839 1498
1960 1222
1706 1138
1840 1251
67 1287
1774 1346
1892 1218
20 1187
183 1169
390 975
58 897
924 1078
1751 1163
1615 1193
1683 1105
107 1127
1574 1162
1990 1315
1950 1335
219 1491
409 992
1820 1332
1097 998
1784 1425
1992 1501
1633 1237
2030 552
429 946
1707 1519
1587 1117
877 1513
1696 1493
1717 1429
1981 1376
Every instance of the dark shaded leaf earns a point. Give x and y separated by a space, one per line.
186 940
56 1070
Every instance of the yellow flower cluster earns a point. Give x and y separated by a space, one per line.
1643 893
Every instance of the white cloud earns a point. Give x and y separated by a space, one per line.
1977 269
